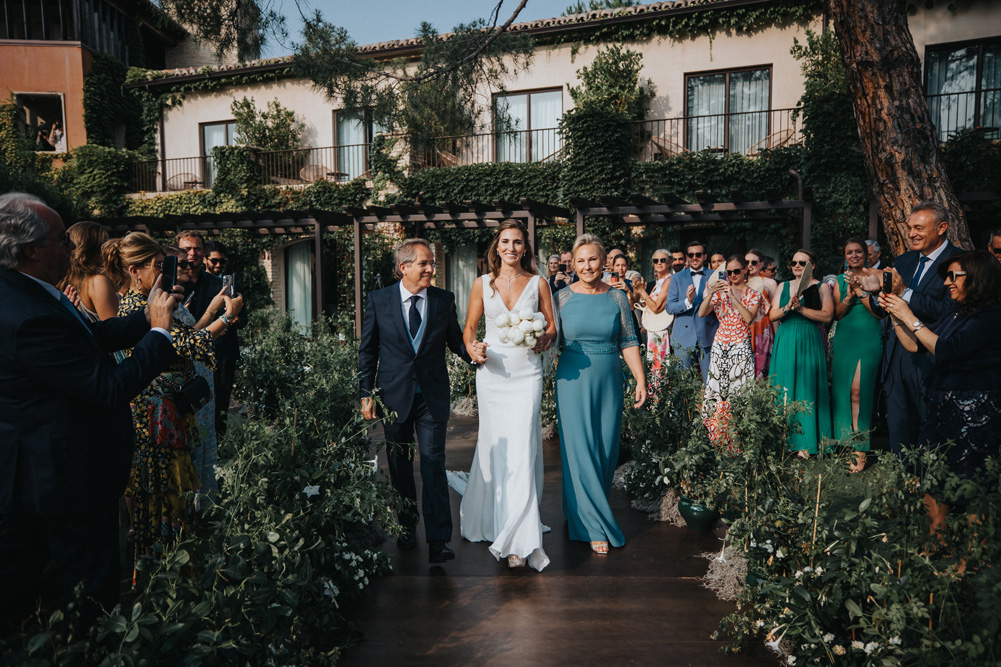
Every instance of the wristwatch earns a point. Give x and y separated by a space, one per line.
917 325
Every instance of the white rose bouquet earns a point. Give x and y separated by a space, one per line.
521 328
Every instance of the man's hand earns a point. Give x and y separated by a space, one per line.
368 408
160 306
898 283
691 293
873 282
72 295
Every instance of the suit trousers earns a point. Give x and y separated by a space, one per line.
695 354
904 384
84 547
431 446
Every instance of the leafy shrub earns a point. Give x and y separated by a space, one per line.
98 177
237 170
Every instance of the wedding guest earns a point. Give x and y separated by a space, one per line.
678 262
716 260
874 251
914 280
691 335
762 333
98 297
216 258
557 279
770 267
504 508
553 265
964 385
731 363
857 351
799 360
619 280
57 137
654 298
596 324
994 243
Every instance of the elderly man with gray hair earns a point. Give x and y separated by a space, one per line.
873 252
66 430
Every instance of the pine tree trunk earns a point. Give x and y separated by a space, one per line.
898 139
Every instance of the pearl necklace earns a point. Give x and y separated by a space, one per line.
510 279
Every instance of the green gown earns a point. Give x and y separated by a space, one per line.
799 367
856 342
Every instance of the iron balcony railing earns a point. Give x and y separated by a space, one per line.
954 112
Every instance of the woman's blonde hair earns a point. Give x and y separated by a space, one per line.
86 259
133 249
494 260
590 239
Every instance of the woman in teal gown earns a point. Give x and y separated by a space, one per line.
595 325
799 358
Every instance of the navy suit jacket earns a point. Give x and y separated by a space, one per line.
930 300
66 430
688 327
387 361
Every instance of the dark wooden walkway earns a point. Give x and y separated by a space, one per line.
641 605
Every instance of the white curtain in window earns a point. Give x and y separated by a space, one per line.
461 263
351 142
705 109
512 120
952 84
546 111
219 134
749 105
299 285
990 84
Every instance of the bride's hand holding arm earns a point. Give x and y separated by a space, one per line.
477 350
545 339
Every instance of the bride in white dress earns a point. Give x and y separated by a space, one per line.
501 500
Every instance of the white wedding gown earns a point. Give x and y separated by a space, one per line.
501 500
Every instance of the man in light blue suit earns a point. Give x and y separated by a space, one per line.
691 335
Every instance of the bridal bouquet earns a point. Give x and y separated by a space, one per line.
521 328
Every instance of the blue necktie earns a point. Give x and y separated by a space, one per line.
921 269
69 306
415 317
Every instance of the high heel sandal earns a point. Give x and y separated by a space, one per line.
600 548
515 561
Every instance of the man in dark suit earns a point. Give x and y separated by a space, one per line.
406 329
691 335
66 430
916 280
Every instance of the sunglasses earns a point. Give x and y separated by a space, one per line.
994 249
754 262
664 261
216 260
733 272
696 254
799 262
952 275
184 264
157 265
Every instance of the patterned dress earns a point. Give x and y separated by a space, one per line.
731 364
658 343
762 335
161 467
206 456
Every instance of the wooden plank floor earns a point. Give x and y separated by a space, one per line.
641 605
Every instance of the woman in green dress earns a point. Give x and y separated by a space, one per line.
858 349
596 323
799 359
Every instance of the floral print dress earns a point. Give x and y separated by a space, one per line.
658 343
162 469
731 364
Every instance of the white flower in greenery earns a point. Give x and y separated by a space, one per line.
791 660
311 491
526 314
502 320
838 649
828 637
895 641
774 645
306 369
870 647
857 645
779 554
819 571
759 623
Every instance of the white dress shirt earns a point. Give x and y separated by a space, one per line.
422 303
697 282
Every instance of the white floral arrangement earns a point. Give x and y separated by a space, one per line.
521 328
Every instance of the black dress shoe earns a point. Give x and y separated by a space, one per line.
438 552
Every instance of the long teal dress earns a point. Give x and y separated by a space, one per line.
857 345
799 367
589 402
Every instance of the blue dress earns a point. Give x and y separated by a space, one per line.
589 402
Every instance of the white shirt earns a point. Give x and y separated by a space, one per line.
925 268
697 281
58 296
422 304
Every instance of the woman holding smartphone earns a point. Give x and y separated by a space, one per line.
731 362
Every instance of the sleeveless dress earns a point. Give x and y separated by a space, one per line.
857 340
799 368
658 343
731 364
589 403
501 500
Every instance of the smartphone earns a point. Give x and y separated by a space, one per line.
229 284
169 273
562 268
887 282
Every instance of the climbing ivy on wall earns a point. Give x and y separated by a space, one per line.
106 106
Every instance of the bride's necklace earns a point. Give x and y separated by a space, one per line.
510 279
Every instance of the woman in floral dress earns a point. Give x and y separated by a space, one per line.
731 361
658 344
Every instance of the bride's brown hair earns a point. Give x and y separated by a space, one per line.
493 258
